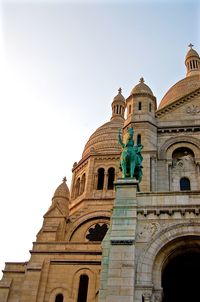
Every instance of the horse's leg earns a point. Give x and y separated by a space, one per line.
132 168
124 169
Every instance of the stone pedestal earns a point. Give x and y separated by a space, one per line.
118 262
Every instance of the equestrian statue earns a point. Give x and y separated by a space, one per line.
131 157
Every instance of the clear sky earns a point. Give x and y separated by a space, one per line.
61 64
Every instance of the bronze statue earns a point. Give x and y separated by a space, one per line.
131 157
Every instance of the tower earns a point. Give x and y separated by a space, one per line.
141 108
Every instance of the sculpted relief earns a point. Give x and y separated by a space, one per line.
148 231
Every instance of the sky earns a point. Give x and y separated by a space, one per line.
61 64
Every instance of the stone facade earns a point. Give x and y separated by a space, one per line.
163 216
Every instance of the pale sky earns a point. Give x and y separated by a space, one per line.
61 64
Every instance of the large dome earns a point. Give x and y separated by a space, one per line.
180 89
105 139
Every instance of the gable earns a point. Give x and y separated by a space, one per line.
184 111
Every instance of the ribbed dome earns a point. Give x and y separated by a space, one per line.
180 89
62 190
105 139
141 88
119 97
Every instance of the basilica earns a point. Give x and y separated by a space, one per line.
110 239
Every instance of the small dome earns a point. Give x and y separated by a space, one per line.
141 88
62 190
119 97
105 139
191 53
180 89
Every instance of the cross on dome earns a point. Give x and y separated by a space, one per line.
190 45
64 179
120 90
141 80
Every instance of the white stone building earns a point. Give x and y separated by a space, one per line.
162 257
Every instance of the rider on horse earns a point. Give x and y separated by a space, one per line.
131 157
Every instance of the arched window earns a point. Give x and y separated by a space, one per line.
77 189
149 107
184 184
111 178
82 186
83 288
59 298
138 139
139 106
129 109
100 181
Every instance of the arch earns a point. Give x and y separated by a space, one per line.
76 282
94 217
100 180
171 144
150 263
111 178
180 277
59 291
77 188
185 184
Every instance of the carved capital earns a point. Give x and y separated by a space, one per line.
147 296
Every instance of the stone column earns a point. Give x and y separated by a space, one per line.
118 262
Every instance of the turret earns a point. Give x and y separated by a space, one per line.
118 105
54 224
192 62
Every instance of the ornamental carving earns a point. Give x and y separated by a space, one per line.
148 231
193 109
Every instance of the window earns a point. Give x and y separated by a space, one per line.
149 107
97 232
138 139
184 184
139 106
100 181
82 186
59 298
111 178
129 109
77 189
83 288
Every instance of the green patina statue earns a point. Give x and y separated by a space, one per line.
131 157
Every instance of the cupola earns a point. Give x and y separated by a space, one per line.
118 106
192 62
141 104
61 197
141 88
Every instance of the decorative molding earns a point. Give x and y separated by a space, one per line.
193 110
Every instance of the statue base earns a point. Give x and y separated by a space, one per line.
118 261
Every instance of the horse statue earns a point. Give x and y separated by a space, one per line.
131 157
